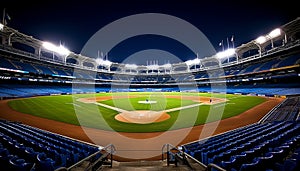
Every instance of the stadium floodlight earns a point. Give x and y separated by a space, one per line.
192 62
102 62
49 46
1 26
261 40
58 49
189 62
131 66
63 51
226 53
152 67
106 63
275 33
99 61
167 66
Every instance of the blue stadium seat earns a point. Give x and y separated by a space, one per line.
19 164
44 163
288 165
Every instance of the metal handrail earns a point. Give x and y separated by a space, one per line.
168 149
109 149
211 165
195 160
271 112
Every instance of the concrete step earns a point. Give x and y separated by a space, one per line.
145 166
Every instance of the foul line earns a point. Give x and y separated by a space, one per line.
110 107
184 107
125 111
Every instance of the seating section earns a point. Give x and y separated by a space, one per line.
259 89
286 111
289 61
24 66
28 90
6 64
23 148
51 69
43 70
273 64
273 146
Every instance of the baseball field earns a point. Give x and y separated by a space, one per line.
137 111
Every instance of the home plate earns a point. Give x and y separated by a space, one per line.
147 102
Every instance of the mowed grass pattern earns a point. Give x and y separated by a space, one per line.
66 109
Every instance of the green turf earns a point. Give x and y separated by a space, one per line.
67 109
162 103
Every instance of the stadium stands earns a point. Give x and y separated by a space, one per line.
286 111
25 148
272 144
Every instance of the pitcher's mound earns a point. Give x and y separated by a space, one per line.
142 116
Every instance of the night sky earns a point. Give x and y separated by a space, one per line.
73 23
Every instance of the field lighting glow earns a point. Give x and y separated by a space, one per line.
131 66
167 66
1 26
98 61
193 62
58 49
275 33
261 40
153 67
102 62
226 53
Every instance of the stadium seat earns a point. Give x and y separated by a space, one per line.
44 163
18 164
288 165
250 166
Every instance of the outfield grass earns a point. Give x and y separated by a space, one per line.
66 109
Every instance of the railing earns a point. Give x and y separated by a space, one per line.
169 150
212 166
108 150
106 153
270 112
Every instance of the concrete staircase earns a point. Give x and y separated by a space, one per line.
150 166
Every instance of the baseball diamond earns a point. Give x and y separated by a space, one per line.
236 109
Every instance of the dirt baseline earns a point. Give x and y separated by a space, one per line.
130 149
